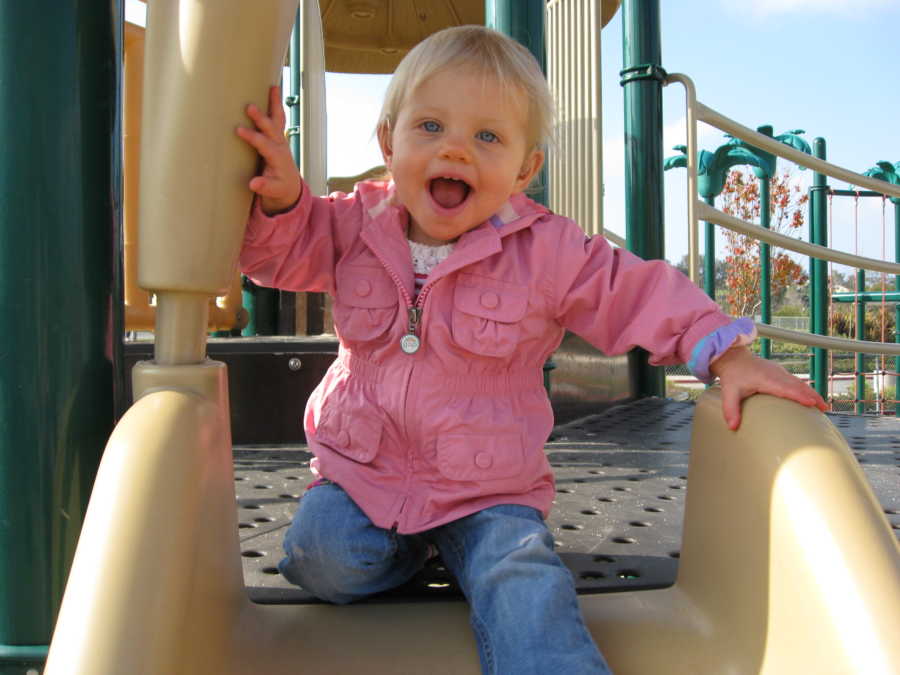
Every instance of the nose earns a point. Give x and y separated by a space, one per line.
454 149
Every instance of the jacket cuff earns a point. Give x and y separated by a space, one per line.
260 225
738 332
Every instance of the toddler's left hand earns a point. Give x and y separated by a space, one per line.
741 374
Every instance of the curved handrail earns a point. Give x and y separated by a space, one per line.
690 93
710 116
827 342
713 215
694 111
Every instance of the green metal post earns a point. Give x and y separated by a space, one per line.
642 79
260 302
765 274
523 20
896 203
293 100
819 273
248 300
59 177
709 254
868 296
860 335
285 320
812 279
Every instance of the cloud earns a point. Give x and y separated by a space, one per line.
767 8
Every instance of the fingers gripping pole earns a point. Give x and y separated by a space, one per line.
205 61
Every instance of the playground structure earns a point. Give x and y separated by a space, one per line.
860 298
711 170
156 586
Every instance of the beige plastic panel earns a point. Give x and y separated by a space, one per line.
205 61
788 566
224 313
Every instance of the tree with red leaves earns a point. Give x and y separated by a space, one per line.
740 198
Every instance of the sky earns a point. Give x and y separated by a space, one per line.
826 66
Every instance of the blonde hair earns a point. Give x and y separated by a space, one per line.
487 52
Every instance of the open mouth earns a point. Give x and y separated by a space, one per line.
449 192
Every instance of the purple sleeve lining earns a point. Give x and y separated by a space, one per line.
738 332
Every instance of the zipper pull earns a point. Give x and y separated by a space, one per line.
409 343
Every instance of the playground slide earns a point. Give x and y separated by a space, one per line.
788 564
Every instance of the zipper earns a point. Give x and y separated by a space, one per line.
415 312
414 318
411 342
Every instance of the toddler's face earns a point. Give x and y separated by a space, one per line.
457 151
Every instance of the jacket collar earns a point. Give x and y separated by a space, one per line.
517 213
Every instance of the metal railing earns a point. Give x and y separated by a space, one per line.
697 209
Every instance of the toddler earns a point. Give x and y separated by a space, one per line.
451 289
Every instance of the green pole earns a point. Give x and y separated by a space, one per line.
59 176
860 335
248 300
868 296
812 280
285 322
260 302
765 273
642 78
896 203
819 274
293 101
523 20
709 254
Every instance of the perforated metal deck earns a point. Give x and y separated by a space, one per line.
620 476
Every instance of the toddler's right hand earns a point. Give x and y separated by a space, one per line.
279 185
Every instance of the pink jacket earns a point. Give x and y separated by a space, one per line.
422 439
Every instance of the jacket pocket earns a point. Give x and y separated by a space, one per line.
486 314
365 303
480 457
355 436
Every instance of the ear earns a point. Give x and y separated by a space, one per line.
386 143
532 164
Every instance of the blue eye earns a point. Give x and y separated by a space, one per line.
487 136
431 126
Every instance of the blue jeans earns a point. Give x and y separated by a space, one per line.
524 609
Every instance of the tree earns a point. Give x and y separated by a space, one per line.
878 323
740 198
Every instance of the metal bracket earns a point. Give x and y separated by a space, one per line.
644 71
